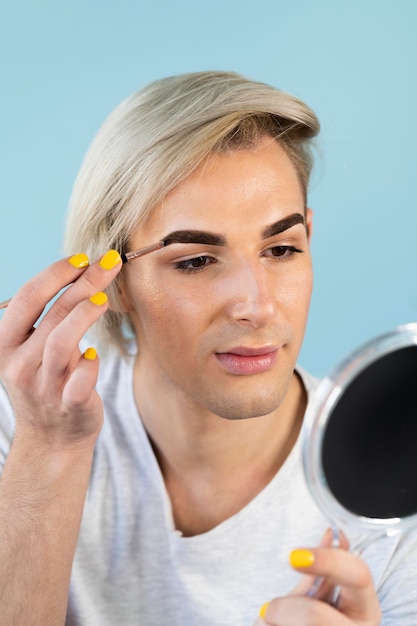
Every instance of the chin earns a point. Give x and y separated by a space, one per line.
261 396
241 407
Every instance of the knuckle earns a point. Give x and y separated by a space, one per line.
364 576
17 374
60 309
76 401
30 296
56 344
94 280
313 614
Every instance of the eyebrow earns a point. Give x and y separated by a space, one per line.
282 225
213 239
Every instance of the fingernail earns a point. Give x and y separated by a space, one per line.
79 261
301 558
99 298
110 260
90 354
263 610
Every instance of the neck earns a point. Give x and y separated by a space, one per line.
212 466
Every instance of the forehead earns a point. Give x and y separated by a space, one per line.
252 187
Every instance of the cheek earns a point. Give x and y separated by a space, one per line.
163 313
304 286
293 294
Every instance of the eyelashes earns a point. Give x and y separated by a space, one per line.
196 264
284 252
202 262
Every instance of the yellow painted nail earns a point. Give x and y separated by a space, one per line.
301 558
90 354
110 260
99 298
263 610
79 261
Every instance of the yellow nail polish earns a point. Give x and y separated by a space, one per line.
110 260
301 558
99 298
90 354
79 261
263 610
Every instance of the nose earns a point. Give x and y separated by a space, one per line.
252 297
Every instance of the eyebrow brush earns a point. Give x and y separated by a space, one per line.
125 256
129 256
4 304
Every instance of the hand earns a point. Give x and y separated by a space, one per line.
358 603
49 382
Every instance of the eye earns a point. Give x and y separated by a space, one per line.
195 264
283 252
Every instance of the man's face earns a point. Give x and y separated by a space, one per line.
220 317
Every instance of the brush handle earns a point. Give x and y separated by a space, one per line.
5 304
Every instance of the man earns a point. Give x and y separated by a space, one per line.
162 483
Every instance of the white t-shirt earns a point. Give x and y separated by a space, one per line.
133 568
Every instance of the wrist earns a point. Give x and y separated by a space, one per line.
35 465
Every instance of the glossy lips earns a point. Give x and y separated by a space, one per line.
247 361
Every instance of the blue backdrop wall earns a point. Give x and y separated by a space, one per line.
66 65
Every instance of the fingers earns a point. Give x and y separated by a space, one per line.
334 539
29 302
336 565
95 279
318 586
59 355
358 598
51 385
77 390
358 602
293 611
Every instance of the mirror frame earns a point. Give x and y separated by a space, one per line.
318 413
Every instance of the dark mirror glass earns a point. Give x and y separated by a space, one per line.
369 446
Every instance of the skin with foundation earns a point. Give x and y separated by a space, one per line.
220 317
219 313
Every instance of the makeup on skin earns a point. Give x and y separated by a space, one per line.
201 237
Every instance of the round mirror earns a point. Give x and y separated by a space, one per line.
360 436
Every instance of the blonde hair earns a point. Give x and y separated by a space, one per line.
155 139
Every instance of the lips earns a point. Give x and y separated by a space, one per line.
245 361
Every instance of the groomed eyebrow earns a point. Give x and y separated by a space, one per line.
284 224
213 239
195 236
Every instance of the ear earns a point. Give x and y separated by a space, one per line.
309 223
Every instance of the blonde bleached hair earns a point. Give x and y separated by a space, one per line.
155 139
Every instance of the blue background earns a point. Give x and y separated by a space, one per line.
65 65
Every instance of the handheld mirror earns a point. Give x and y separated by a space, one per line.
360 437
